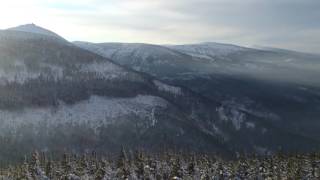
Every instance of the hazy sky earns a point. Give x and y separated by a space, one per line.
293 24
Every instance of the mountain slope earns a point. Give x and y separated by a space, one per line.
55 96
267 64
261 95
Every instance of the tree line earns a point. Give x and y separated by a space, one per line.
168 165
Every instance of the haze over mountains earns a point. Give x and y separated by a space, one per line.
199 97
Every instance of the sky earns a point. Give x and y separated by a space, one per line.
290 24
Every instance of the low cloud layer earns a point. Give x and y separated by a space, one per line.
292 24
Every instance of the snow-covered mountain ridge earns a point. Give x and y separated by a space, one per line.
208 50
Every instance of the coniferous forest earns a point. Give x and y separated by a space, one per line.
138 165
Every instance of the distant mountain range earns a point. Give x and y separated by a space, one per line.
56 95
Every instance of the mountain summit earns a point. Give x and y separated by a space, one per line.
32 28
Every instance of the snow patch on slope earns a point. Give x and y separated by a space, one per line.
250 125
19 73
110 71
104 70
94 112
168 88
233 115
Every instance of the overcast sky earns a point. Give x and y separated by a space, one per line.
291 24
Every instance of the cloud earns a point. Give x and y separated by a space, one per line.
281 23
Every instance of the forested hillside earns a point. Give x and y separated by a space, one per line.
137 165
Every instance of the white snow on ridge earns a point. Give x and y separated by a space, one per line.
145 51
207 50
95 111
134 53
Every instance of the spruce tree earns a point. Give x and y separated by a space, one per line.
122 165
